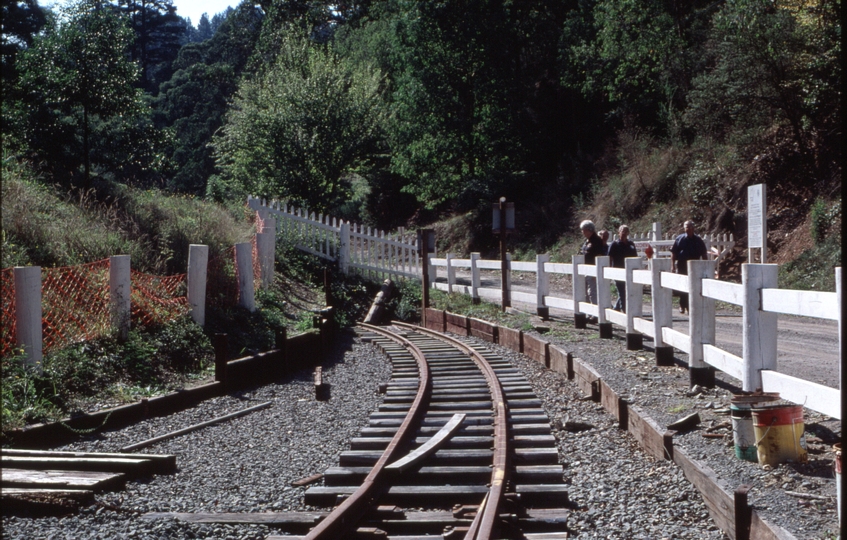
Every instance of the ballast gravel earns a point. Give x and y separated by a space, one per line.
248 464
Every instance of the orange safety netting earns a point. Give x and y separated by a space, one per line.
74 303
8 331
157 299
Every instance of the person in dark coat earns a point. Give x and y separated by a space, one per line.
591 248
687 247
618 251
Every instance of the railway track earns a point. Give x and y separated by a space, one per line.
460 448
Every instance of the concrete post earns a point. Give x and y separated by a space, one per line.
656 233
244 265
604 296
475 278
119 291
578 291
542 285
662 310
701 322
28 312
759 327
198 260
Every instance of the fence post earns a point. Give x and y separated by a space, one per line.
662 310
475 278
656 233
542 286
244 267
28 313
344 240
701 323
759 335
507 281
451 273
838 292
119 291
266 244
198 259
604 296
634 301
579 318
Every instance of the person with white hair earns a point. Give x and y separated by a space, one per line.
591 248
686 247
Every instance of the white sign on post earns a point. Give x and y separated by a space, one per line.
756 221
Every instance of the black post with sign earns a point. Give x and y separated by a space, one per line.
503 223
426 245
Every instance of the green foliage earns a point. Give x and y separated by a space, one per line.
151 360
405 305
814 269
77 84
297 129
823 218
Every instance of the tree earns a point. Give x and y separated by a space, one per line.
193 102
296 130
204 28
78 84
22 20
159 33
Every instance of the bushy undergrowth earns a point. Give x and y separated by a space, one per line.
814 269
103 370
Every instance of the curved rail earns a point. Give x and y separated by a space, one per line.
346 515
484 524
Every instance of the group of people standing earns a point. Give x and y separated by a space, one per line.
687 246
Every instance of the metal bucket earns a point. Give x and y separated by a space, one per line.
743 434
780 434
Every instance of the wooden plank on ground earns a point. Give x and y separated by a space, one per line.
132 467
161 463
615 404
561 361
655 440
719 500
44 502
510 338
435 319
587 379
91 480
458 324
483 330
537 349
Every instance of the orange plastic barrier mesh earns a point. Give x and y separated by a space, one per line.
8 331
157 299
74 303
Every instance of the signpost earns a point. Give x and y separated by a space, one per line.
503 223
757 224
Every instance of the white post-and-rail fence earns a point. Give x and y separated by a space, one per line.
354 246
376 253
757 295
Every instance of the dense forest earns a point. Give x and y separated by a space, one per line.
397 112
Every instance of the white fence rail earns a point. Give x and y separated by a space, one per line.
377 253
353 246
759 298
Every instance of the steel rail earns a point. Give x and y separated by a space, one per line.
484 524
348 514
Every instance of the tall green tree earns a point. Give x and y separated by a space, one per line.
299 128
159 34
193 102
79 89
22 20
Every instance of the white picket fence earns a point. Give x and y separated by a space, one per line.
355 247
376 253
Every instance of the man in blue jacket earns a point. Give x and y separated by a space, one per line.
687 247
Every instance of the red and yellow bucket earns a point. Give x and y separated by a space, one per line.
780 434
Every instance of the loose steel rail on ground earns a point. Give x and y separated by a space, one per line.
490 470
